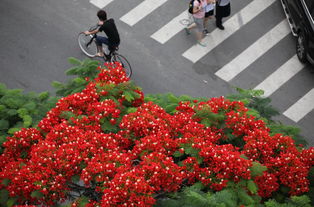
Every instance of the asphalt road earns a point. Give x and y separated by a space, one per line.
37 37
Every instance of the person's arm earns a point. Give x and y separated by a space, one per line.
197 7
91 32
96 30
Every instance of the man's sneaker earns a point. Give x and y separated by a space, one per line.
205 31
187 31
221 27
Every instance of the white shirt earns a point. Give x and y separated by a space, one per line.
209 7
223 2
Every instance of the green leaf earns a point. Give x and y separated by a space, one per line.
75 178
43 96
66 115
172 98
12 112
27 121
185 98
56 84
177 154
198 186
22 112
257 169
206 122
4 196
244 157
244 197
131 110
252 187
171 108
83 201
4 124
79 81
6 181
303 201
108 127
74 61
30 106
11 202
13 130
37 194
128 96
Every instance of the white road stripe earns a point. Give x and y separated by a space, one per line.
170 29
302 107
141 11
280 76
101 3
232 25
252 53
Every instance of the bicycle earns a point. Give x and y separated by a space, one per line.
88 46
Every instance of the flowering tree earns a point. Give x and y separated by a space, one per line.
106 146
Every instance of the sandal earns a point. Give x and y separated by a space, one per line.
99 55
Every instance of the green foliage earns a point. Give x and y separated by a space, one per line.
311 179
257 169
168 101
37 194
287 130
83 70
4 196
18 109
198 195
294 201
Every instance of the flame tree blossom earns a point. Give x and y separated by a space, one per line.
122 151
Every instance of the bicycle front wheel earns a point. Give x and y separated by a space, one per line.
87 44
124 62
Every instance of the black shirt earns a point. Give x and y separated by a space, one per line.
109 27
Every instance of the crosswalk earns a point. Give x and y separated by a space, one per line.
241 62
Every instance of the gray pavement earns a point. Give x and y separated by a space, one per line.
38 36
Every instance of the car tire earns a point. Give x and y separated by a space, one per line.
301 47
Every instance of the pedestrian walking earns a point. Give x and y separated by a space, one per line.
209 13
198 16
222 10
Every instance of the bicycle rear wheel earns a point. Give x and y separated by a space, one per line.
124 62
87 44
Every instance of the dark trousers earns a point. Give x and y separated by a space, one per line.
221 12
218 21
104 40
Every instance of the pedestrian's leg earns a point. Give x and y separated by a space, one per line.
189 27
199 33
205 25
99 41
219 22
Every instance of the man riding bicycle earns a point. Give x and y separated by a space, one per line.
108 26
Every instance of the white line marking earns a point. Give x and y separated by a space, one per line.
280 76
232 25
101 3
302 107
252 53
141 11
170 29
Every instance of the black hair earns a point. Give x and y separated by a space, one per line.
102 15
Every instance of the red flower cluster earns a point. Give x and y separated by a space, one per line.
128 158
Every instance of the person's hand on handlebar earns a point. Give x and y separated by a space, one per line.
91 32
